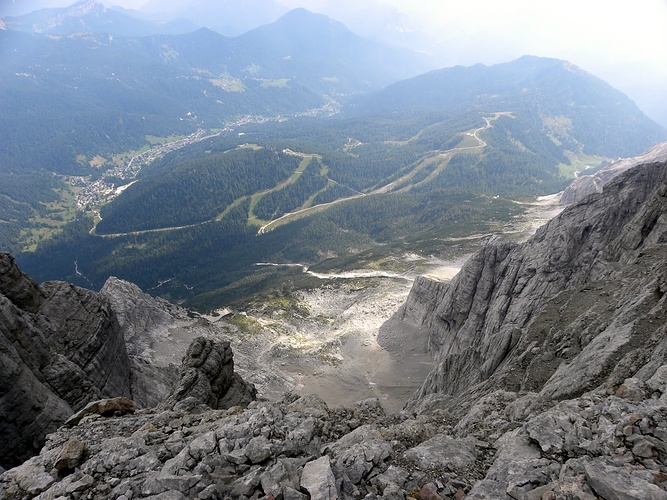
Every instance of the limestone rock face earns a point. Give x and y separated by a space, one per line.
145 322
60 347
138 314
580 305
207 377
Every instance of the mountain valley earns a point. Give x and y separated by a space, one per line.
351 188
272 259
582 415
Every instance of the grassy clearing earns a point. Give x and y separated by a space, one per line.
55 215
248 145
253 220
228 84
280 83
232 206
579 163
405 142
246 324
468 140
154 140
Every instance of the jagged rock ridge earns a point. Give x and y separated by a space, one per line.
62 347
579 305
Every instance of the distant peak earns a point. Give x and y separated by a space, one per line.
83 7
299 11
300 14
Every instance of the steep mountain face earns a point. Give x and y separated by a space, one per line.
64 346
579 306
61 348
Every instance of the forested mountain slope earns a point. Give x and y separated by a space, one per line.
574 106
89 94
351 184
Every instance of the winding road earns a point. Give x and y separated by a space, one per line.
297 214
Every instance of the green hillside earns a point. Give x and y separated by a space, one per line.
412 168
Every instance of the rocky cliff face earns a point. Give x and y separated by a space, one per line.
145 322
584 185
61 347
581 305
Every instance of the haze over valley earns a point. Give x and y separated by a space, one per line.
181 162
236 220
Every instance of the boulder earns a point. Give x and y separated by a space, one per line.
207 377
318 479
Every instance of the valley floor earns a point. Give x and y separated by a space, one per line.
336 340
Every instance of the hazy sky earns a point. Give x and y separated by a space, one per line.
623 42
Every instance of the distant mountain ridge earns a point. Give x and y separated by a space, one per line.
228 17
573 105
311 45
166 84
91 16
86 104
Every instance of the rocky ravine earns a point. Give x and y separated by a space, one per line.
551 383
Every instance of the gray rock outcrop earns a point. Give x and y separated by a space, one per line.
145 322
60 347
584 185
580 305
140 316
508 446
208 377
